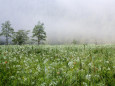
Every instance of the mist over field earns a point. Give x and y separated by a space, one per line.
57 42
65 20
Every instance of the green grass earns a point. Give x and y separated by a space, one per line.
64 65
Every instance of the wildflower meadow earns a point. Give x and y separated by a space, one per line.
57 65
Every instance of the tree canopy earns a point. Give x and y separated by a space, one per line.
20 37
39 32
7 30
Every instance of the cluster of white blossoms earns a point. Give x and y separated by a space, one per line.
88 77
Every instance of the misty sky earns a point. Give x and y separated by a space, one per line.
63 19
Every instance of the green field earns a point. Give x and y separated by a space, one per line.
61 65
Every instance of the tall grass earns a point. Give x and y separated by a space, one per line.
64 65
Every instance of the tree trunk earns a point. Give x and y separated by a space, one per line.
7 36
6 40
38 41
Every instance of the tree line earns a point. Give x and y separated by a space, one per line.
21 36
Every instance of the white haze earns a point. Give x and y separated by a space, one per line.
65 20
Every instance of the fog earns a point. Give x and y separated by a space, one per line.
65 20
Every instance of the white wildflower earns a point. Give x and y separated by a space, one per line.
71 65
108 68
84 84
43 84
107 61
45 61
88 77
33 83
12 77
97 76
90 64
18 71
38 68
30 71
78 59
52 83
25 79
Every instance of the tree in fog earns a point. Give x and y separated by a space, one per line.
20 37
39 32
7 30
75 42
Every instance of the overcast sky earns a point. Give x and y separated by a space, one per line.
63 19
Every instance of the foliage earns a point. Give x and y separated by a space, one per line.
39 32
20 37
75 42
57 65
7 30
